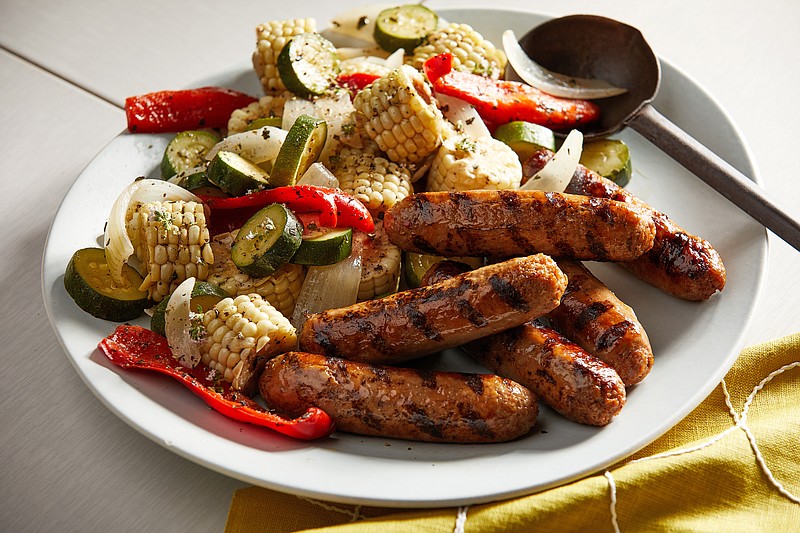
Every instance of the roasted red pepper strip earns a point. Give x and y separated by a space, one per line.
356 81
499 102
137 347
335 208
174 111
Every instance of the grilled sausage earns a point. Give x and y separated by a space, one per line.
679 263
428 319
593 317
559 372
510 223
401 403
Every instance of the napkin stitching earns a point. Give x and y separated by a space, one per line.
354 515
740 422
612 486
461 519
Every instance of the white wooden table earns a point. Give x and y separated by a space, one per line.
66 462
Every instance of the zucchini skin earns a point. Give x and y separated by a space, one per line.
99 305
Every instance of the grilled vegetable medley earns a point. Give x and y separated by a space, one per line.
326 203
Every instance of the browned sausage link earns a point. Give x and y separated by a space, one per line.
400 402
593 317
679 263
559 372
428 319
576 384
509 223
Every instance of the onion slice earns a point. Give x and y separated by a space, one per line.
357 24
551 82
319 176
395 60
557 173
178 325
331 286
116 241
463 116
256 146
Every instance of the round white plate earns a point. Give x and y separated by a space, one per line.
694 343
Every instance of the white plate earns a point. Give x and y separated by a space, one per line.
694 343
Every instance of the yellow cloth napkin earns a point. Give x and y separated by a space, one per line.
732 465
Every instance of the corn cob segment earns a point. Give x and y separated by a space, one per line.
377 182
471 52
266 107
400 114
281 289
171 242
270 40
483 163
241 334
380 266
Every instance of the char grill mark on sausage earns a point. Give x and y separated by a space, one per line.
509 294
613 334
468 311
419 321
590 313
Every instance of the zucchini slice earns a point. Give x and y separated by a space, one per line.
610 158
186 150
301 149
308 64
266 241
525 138
236 175
404 27
264 121
88 281
416 265
204 296
325 247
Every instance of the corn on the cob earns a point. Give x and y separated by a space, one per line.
380 265
377 182
171 242
280 289
400 114
363 65
483 163
240 335
270 40
471 52
267 106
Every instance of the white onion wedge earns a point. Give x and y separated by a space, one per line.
463 116
551 82
395 60
357 23
557 173
372 53
256 146
116 241
319 176
178 325
330 287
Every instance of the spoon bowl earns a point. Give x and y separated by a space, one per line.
590 46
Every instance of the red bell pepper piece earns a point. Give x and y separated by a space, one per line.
137 347
499 102
174 111
356 81
335 208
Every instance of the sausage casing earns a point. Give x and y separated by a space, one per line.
401 403
508 223
593 317
428 319
678 263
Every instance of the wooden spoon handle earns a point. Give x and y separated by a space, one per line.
717 173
